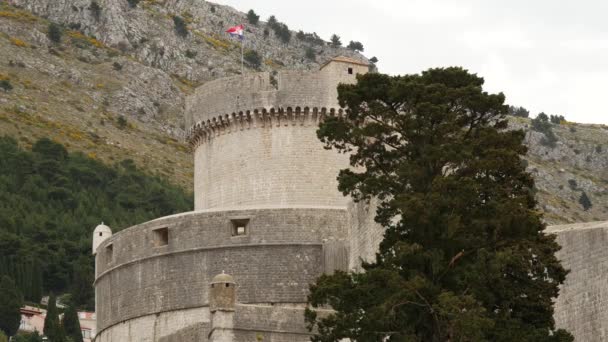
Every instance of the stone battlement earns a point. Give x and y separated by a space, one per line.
260 97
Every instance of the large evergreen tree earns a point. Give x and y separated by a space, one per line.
71 324
10 305
464 256
52 324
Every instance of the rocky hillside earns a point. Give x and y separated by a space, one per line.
114 84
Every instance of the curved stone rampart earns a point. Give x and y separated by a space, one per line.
281 253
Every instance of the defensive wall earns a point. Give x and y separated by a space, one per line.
156 273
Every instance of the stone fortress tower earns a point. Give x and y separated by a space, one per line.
267 212
269 220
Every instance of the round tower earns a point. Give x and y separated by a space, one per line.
100 234
222 293
222 301
255 143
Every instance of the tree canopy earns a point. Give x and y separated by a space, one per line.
52 324
50 202
464 256
10 305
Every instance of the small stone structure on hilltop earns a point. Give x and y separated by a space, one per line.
268 221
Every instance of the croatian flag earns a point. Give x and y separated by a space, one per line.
236 31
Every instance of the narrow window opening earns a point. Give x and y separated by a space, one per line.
100 234
161 237
227 285
350 71
110 253
239 227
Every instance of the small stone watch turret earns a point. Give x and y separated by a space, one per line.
222 302
101 234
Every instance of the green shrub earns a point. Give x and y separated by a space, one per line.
585 201
133 3
572 184
212 9
519 112
355 46
334 41
252 17
6 85
117 66
541 124
95 9
310 53
180 26
190 54
280 29
253 58
121 122
556 119
55 32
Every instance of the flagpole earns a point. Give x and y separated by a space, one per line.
242 53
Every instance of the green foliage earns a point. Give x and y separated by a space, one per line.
464 256
71 324
311 38
10 305
122 122
26 272
585 201
52 324
252 17
32 337
373 60
309 52
519 112
117 66
3 337
541 124
51 200
6 85
190 53
281 30
334 41
556 119
95 9
572 184
55 32
133 3
212 9
253 58
180 26
355 46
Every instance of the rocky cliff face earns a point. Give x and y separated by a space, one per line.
114 88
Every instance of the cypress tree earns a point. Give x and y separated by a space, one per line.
52 325
71 324
11 301
464 256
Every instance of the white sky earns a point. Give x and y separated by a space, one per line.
545 55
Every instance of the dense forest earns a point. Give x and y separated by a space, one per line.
50 202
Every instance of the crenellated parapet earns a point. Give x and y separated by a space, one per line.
258 118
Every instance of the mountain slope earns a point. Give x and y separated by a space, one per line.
121 95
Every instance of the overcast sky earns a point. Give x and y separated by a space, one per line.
545 55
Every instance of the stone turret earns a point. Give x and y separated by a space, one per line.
101 234
222 302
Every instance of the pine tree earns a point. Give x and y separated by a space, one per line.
252 17
71 324
464 256
52 325
585 201
11 301
334 41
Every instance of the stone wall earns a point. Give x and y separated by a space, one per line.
160 327
281 254
270 165
581 305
